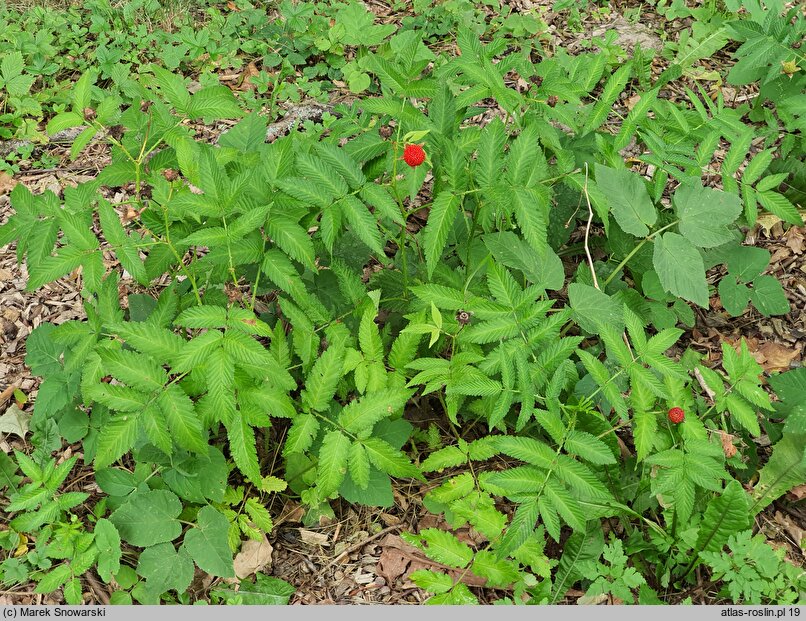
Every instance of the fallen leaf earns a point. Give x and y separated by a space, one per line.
766 221
15 421
795 239
797 493
249 72
631 101
701 380
253 557
592 600
777 357
420 561
392 564
7 183
792 529
727 444
314 539
292 512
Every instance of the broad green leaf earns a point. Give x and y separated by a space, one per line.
136 370
527 449
165 568
291 239
148 518
266 591
588 447
241 438
785 469
498 572
705 214
680 268
733 295
323 379
207 543
725 515
579 549
214 102
593 308
54 578
768 296
431 581
362 414
439 225
184 423
362 223
358 465
645 427
202 317
445 548
757 166
301 434
747 262
779 205
629 199
332 467
82 140
82 90
446 457
531 209
72 592
118 437
389 460
173 88
107 541
64 120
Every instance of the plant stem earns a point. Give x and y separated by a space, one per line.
634 251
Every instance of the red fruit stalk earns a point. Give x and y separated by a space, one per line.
676 415
413 155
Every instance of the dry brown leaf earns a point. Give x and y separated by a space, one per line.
249 71
292 512
727 444
253 557
313 538
7 183
797 493
776 357
766 221
795 239
792 529
420 561
631 101
592 600
392 564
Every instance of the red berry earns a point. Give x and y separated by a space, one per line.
413 155
676 415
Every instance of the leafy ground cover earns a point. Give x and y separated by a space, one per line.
452 302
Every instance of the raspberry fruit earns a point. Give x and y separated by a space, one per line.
413 155
676 415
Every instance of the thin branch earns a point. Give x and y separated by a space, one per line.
588 230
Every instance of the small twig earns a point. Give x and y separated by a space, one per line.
588 230
701 380
6 394
588 252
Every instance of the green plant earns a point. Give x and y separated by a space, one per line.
271 339
754 572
